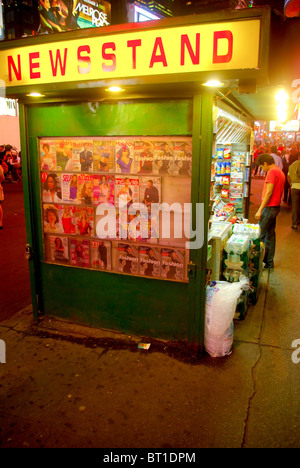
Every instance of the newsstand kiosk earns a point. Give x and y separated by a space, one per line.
134 164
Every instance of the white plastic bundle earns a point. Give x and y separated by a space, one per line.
221 302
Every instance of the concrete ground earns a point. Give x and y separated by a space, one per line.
65 385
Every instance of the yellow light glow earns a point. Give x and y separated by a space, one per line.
213 84
281 96
35 95
115 89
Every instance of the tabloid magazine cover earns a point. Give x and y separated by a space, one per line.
149 261
69 186
163 157
128 259
172 264
104 186
80 252
101 255
85 194
143 157
51 218
183 157
47 155
84 220
124 156
59 218
84 149
104 156
67 155
150 190
51 187
59 249
126 191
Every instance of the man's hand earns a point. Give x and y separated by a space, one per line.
258 215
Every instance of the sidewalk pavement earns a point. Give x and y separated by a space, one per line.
65 385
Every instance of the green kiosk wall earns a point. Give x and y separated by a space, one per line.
148 307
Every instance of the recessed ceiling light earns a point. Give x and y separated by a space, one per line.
213 83
115 89
35 95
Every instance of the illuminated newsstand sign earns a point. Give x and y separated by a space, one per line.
173 50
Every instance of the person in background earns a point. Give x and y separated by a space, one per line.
2 177
2 152
270 205
256 154
294 179
277 158
7 159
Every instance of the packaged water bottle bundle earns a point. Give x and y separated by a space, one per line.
221 302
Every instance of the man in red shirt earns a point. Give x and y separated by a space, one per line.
270 205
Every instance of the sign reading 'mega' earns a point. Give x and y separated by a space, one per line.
144 52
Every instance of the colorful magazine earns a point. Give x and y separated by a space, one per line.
143 157
47 155
103 192
150 260
67 218
172 264
128 259
80 252
84 220
150 190
126 191
104 156
59 249
67 155
163 157
84 150
51 187
69 185
182 157
124 157
101 255
51 218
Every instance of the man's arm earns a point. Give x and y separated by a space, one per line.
267 197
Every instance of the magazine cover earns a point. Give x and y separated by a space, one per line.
101 255
69 186
47 155
51 187
104 156
59 249
104 187
124 156
143 157
150 190
172 264
126 191
85 193
84 150
128 259
67 156
182 157
67 219
163 157
80 252
84 220
51 220
142 227
149 261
